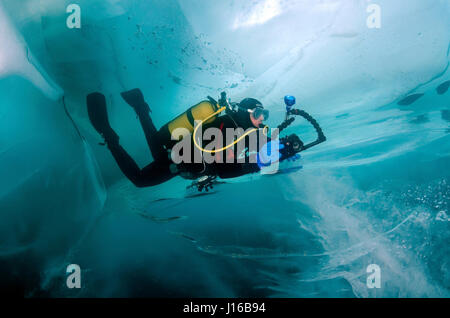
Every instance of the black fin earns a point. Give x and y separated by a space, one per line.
135 99
98 115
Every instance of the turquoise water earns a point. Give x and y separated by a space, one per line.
377 192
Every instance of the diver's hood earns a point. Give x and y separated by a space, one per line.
243 120
242 116
249 103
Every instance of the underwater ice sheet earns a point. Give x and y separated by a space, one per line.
377 192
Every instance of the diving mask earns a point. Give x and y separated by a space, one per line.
258 111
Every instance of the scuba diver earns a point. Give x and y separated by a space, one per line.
248 115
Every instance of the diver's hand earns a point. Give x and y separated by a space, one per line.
269 153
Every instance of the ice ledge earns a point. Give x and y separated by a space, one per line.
16 59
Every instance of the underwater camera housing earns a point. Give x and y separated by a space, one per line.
292 145
292 142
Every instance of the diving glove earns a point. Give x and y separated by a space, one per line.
269 153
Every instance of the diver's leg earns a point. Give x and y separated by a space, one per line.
126 164
151 135
156 173
153 174
135 99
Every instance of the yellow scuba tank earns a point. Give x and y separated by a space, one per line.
205 112
200 111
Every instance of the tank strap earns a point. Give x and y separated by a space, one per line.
190 117
213 102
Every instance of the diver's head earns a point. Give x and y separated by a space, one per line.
256 110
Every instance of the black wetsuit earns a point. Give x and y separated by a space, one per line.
159 170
